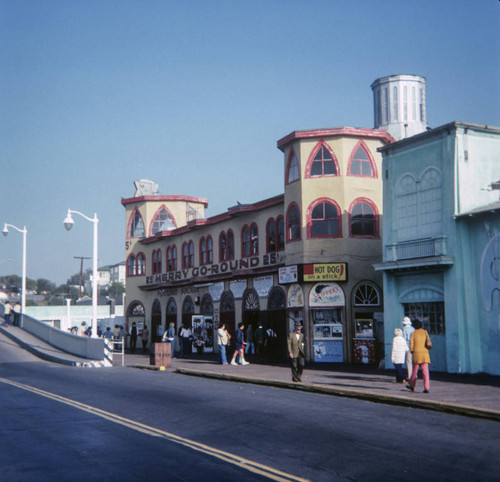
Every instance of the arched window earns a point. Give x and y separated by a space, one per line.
203 251
230 245
322 162
153 261
191 254
136 229
155 257
245 241
226 246
254 239
172 258
367 295
131 266
419 205
185 255
271 236
206 250
292 168
141 264
275 235
222 246
210 250
162 221
280 224
361 162
293 223
324 220
363 219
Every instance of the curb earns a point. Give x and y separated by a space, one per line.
343 392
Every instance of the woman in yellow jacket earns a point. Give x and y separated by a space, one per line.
420 344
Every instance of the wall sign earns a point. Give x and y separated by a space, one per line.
263 285
237 287
325 272
288 274
323 295
295 297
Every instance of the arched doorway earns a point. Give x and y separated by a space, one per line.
135 313
250 315
171 313
207 310
276 306
227 312
368 323
156 328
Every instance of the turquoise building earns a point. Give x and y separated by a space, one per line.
441 243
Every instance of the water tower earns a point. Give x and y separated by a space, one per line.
399 105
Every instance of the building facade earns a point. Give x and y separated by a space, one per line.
441 243
305 255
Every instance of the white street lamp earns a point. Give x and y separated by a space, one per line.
68 224
24 231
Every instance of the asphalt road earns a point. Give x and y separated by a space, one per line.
65 423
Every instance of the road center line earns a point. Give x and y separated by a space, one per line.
241 462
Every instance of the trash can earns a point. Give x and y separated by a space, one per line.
161 355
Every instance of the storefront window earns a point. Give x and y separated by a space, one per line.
430 314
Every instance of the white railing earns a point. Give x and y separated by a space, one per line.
91 348
420 248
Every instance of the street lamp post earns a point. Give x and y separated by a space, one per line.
24 232
68 224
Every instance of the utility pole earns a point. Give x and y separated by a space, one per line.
81 258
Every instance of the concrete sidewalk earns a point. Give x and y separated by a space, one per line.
473 395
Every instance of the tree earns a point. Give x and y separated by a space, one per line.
45 286
116 289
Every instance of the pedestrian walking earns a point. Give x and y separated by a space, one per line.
399 349
239 346
144 338
296 344
186 336
169 336
420 344
16 313
7 313
223 338
407 331
259 337
250 346
133 337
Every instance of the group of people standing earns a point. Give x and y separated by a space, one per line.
411 345
246 341
12 314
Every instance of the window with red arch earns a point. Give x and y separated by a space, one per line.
363 219
172 258
322 162
136 265
226 246
162 221
136 226
361 162
324 219
156 261
206 250
188 254
292 169
293 223
275 234
245 241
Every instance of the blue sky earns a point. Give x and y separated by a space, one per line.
195 94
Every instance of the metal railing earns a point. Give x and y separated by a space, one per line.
420 248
